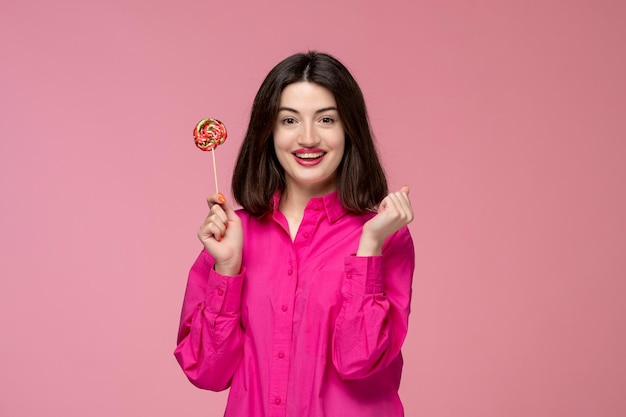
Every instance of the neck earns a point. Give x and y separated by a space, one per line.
294 199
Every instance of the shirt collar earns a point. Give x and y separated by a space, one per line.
331 203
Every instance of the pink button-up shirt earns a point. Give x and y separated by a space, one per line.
307 328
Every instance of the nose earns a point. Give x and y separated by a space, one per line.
308 138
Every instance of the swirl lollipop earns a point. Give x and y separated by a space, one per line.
207 134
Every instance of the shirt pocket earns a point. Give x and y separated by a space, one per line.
322 307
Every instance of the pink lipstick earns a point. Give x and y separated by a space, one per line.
308 156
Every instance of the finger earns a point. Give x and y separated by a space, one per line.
407 208
229 210
210 230
404 197
217 230
218 211
216 215
217 198
218 221
392 201
399 205
402 206
404 201
400 197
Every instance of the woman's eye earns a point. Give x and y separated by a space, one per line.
289 120
327 120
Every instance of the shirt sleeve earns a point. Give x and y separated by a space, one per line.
376 296
210 337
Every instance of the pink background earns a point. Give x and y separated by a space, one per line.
508 120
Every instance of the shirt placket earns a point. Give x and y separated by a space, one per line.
283 320
281 347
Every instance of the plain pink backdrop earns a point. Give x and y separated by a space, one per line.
507 118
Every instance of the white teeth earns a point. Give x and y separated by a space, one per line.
309 155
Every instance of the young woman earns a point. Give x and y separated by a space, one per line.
299 302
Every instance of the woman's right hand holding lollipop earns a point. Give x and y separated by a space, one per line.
222 235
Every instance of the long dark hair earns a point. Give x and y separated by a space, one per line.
361 182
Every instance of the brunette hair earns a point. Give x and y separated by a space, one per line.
361 182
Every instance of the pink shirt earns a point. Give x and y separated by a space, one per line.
307 328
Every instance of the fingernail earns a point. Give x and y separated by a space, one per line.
221 198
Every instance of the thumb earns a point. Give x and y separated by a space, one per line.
404 189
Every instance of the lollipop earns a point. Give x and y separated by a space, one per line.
207 134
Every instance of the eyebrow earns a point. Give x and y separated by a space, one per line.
322 110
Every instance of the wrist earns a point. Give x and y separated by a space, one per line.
228 268
369 246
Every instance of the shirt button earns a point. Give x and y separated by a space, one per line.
289 271
305 235
220 292
277 401
349 275
284 308
281 355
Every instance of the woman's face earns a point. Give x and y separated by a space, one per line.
309 139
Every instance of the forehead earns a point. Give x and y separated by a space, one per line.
304 95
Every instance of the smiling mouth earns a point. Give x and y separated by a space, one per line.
309 155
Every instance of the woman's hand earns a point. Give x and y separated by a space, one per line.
222 235
394 212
